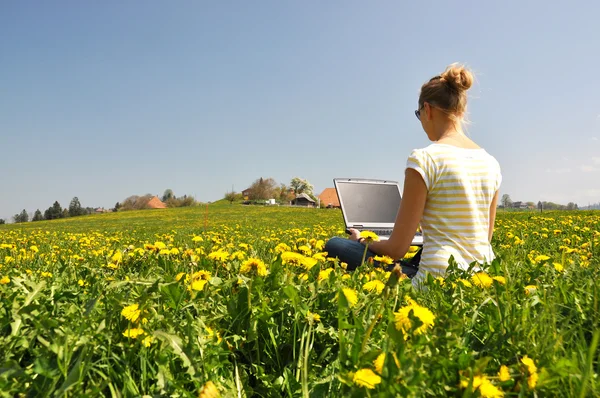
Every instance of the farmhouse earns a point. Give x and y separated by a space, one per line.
329 198
303 200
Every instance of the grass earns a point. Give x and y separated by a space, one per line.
307 328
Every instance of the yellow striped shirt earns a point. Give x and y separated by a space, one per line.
461 184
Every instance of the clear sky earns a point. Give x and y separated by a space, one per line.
103 100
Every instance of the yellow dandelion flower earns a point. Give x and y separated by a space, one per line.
147 341
529 363
313 318
324 274
254 264
80 282
219 255
209 390
384 259
500 279
159 246
34 249
366 378
558 267
5 280
179 276
503 373
197 284
489 390
530 289
117 256
404 323
374 285
133 333
281 248
541 258
131 312
197 239
465 282
351 296
47 274
369 236
346 276
379 362
440 281
320 256
482 279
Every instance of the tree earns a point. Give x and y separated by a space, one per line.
53 212
37 216
2 221
262 189
75 207
21 217
168 194
300 185
232 196
506 201
117 206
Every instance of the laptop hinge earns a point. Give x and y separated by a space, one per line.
356 226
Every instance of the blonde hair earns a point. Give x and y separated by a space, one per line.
448 91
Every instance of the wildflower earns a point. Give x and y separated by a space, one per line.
384 260
306 250
147 341
298 259
378 363
558 267
209 390
116 257
374 285
320 256
366 378
369 236
282 247
404 323
131 312
541 258
351 296
240 255
34 249
313 318
465 282
324 274
254 264
179 276
5 280
219 255
133 333
485 387
482 279
440 281
532 370
500 279
530 289
503 374
197 239
303 276
80 282
47 274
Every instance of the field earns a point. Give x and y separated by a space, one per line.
241 301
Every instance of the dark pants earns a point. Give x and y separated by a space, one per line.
351 253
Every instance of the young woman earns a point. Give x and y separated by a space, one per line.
450 189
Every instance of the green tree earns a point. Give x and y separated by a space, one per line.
232 196
300 185
263 188
506 200
37 216
21 217
75 207
168 194
117 206
2 221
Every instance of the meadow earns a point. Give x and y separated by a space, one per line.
240 301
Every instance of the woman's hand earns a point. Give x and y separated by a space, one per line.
354 234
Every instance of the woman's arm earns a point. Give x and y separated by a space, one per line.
408 218
493 215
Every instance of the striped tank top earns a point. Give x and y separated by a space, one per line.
461 184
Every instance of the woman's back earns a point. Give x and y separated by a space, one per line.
461 184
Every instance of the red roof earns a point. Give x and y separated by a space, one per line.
329 197
155 203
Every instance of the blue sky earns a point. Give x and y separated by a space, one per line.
102 100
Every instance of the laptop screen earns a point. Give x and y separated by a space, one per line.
369 202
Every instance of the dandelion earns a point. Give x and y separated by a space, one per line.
117 257
503 373
34 249
485 387
324 274
254 264
378 363
558 267
404 323
298 259
147 341
281 248
197 239
369 236
541 258
131 312
482 279
179 276
532 370
47 274
209 390
313 318
5 280
351 296
500 279
384 260
530 289
374 285
219 255
366 378
133 333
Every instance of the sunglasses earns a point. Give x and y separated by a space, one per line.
418 111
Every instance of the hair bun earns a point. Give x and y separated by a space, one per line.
458 77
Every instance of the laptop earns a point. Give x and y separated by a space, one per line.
371 205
